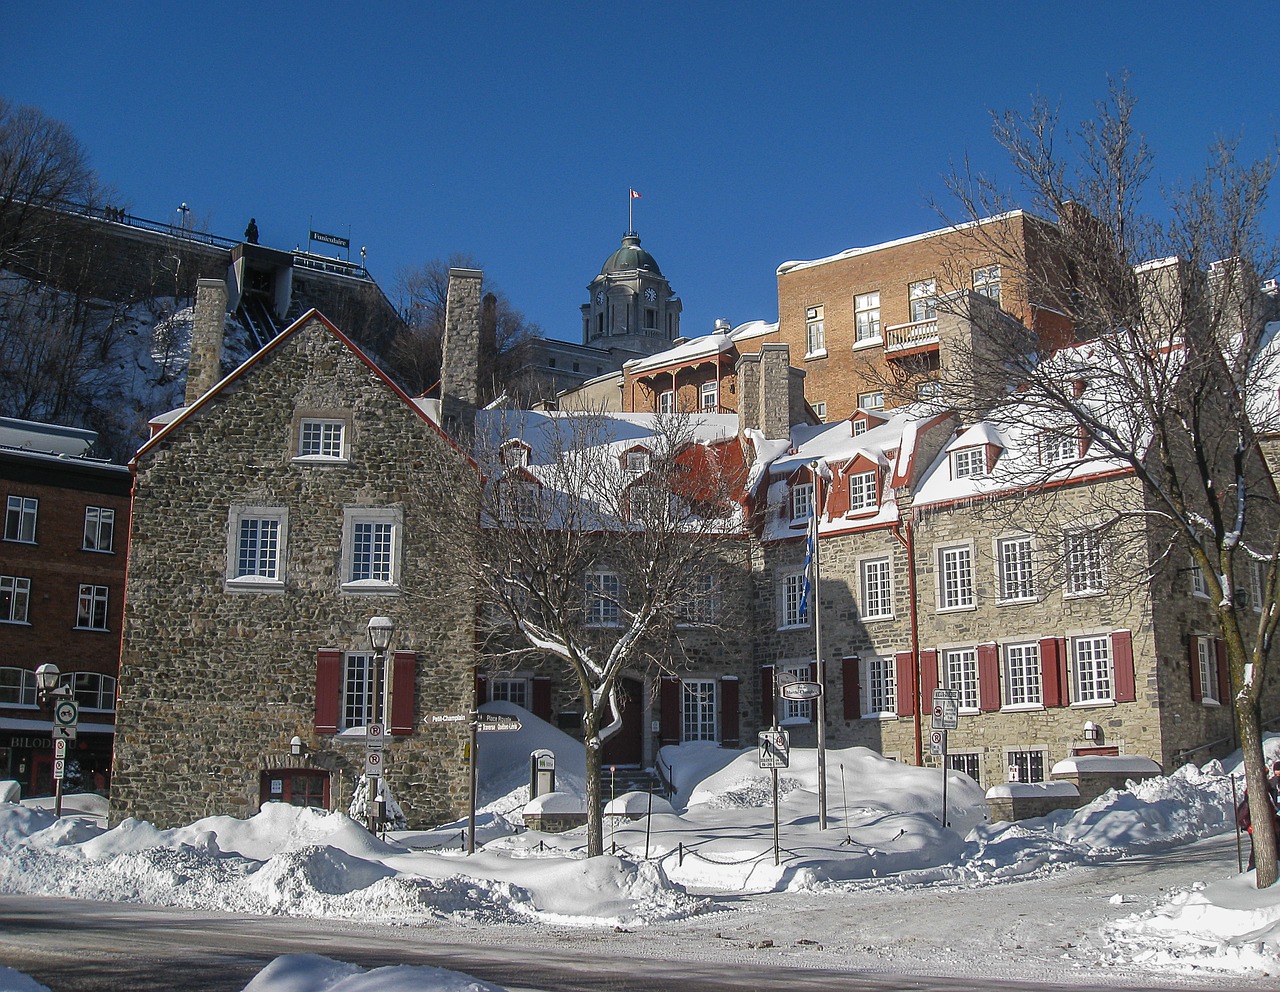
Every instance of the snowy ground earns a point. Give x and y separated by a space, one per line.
1139 886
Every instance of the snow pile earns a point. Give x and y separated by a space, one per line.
313 973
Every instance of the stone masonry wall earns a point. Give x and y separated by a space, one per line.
214 683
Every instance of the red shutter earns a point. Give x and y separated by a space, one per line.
542 697
904 662
403 676
1052 665
1193 666
766 695
928 674
328 690
729 736
669 710
852 687
1224 672
1122 663
482 689
988 677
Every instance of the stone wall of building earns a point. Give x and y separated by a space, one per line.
216 680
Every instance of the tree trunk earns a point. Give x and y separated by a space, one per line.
1255 782
595 807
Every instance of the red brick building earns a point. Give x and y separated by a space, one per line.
62 570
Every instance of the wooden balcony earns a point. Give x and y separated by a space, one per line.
919 335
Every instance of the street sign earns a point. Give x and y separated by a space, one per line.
373 736
66 713
373 764
64 733
785 678
775 749
946 709
801 690
504 723
449 717
59 768
60 749
937 742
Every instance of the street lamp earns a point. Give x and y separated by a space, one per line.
381 630
48 694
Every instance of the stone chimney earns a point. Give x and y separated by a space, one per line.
770 392
204 368
459 387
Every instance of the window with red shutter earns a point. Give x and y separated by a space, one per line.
1122 661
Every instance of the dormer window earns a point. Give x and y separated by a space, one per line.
637 461
801 502
1059 447
968 463
515 454
864 493
519 500
859 426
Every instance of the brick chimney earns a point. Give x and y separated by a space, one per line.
204 367
459 388
770 392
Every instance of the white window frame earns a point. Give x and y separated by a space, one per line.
698 709
873 399
1207 665
637 461
864 491
15 598
955 577
1059 447
1199 588
880 677
875 581
709 397
603 588
790 595
518 499
93 607
1016 569
1255 584
667 402
322 439
1092 670
986 282
94 691
794 711
510 689
99 529
21 517
515 454
1021 677
702 601
859 427
240 579
815 332
1085 565
354 518
357 698
969 463
866 319
25 690
958 668
801 502
820 408
923 298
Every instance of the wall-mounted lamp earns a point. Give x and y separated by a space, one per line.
296 747
1092 732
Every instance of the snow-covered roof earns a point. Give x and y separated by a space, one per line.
1125 764
30 435
705 347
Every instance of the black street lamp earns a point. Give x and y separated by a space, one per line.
381 631
50 692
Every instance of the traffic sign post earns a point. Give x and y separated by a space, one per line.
775 753
946 709
938 745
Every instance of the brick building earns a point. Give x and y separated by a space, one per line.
62 570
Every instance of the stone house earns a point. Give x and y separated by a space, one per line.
273 516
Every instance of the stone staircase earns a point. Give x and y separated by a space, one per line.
629 779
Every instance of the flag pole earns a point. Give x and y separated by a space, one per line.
820 704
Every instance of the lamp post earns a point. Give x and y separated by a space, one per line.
49 693
381 630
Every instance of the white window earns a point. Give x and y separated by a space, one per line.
91 612
1022 684
1085 574
1026 766
604 599
1207 665
15 595
371 547
92 690
20 519
877 589
1255 584
795 607
1015 560
1198 587
637 461
357 697
866 317
801 501
795 710
859 427
323 440
1058 447
882 685
510 691
968 463
1091 668
667 401
519 500
820 408
698 709
955 577
871 400
17 687
986 280
923 296
960 669
815 335
515 454
863 492
702 602
709 397
99 528
256 539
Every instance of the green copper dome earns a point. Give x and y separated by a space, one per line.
630 257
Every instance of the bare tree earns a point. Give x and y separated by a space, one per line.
1178 365
606 545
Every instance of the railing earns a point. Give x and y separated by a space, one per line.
116 215
1180 756
666 773
913 335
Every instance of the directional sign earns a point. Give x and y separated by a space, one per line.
508 723
66 713
937 742
374 737
373 764
775 749
449 717
946 709
64 733
801 690
59 768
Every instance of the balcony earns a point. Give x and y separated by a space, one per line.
919 335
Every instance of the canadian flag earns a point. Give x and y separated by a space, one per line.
635 195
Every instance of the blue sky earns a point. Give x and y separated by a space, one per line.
756 132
